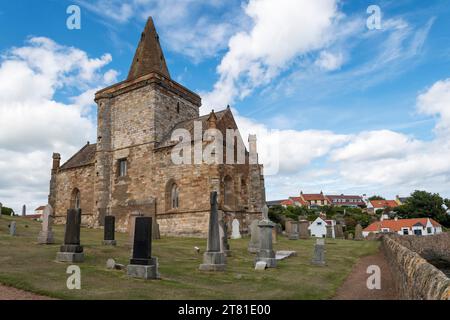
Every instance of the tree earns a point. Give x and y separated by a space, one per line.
422 204
375 197
7 211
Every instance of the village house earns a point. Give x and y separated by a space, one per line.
418 227
318 228
346 201
375 205
130 171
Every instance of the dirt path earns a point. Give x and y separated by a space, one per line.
355 288
8 293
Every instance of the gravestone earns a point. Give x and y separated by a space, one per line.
304 232
294 234
274 235
338 231
142 264
71 250
319 253
358 232
371 236
109 231
266 253
113 265
46 234
12 229
261 266
253 245
1 206
213 258
288 225
329 231
281 255
223 231
24 210
235 232
350 236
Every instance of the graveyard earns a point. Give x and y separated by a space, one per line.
32 267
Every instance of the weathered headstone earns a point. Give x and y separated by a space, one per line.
371 236
113 265
12 229
224 245
319 253
281 255
109 232
213 258
24 210
329 231
350 236
338 231
266 253
304 232
274 235
294 234
235 232
1 206
142 264
288 225
46 234
358 233
253 245
261 266
71 250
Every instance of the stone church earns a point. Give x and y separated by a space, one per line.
130 171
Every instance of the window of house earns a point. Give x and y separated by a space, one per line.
405 232
319 223
429 230
174 197
123 167
418 232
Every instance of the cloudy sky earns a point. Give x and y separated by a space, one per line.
337 106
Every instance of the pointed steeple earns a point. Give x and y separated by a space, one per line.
149 56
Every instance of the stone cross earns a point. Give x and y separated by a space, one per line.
12 229
46 234
358 232
319 253
109 231
236 234
266 253
213 258
71 250
142 264
254 245
24 210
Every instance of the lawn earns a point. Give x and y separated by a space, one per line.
26 265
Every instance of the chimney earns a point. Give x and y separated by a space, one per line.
253 149
396 218
56 162
212 120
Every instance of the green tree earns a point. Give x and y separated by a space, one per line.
376 197
422 204
7 211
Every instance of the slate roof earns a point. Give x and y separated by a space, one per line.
82 158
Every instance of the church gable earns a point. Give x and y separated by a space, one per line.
84 157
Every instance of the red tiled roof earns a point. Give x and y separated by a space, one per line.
311 197
33 216
384 203
287 202
40 208
397 225
299 200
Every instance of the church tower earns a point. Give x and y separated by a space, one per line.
133 117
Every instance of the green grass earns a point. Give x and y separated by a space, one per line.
26 265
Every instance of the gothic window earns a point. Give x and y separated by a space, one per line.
172 196
75 200
178 107
123 167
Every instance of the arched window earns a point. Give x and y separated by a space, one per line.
228 191
172 196
75 199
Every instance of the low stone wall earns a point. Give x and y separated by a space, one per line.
431 248
414 277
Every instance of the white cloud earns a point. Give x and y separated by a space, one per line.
329 61
282 30
34 123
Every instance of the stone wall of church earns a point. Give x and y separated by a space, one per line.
67 181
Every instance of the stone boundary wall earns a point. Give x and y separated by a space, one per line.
414 277
431 248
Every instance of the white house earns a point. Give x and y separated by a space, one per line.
418 227
318 228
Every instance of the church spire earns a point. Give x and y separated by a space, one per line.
149 56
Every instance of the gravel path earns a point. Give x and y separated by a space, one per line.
8 293
355 288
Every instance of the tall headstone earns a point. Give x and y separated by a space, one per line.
338 231
254 245
12 229
288 225
274 235
329 231
1 206
46 234
294 232
213 258
223 231
24 210
319 253
358 232
142 264
235 232
71 250
304 232
109 231
266 253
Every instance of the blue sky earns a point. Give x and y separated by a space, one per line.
354 110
